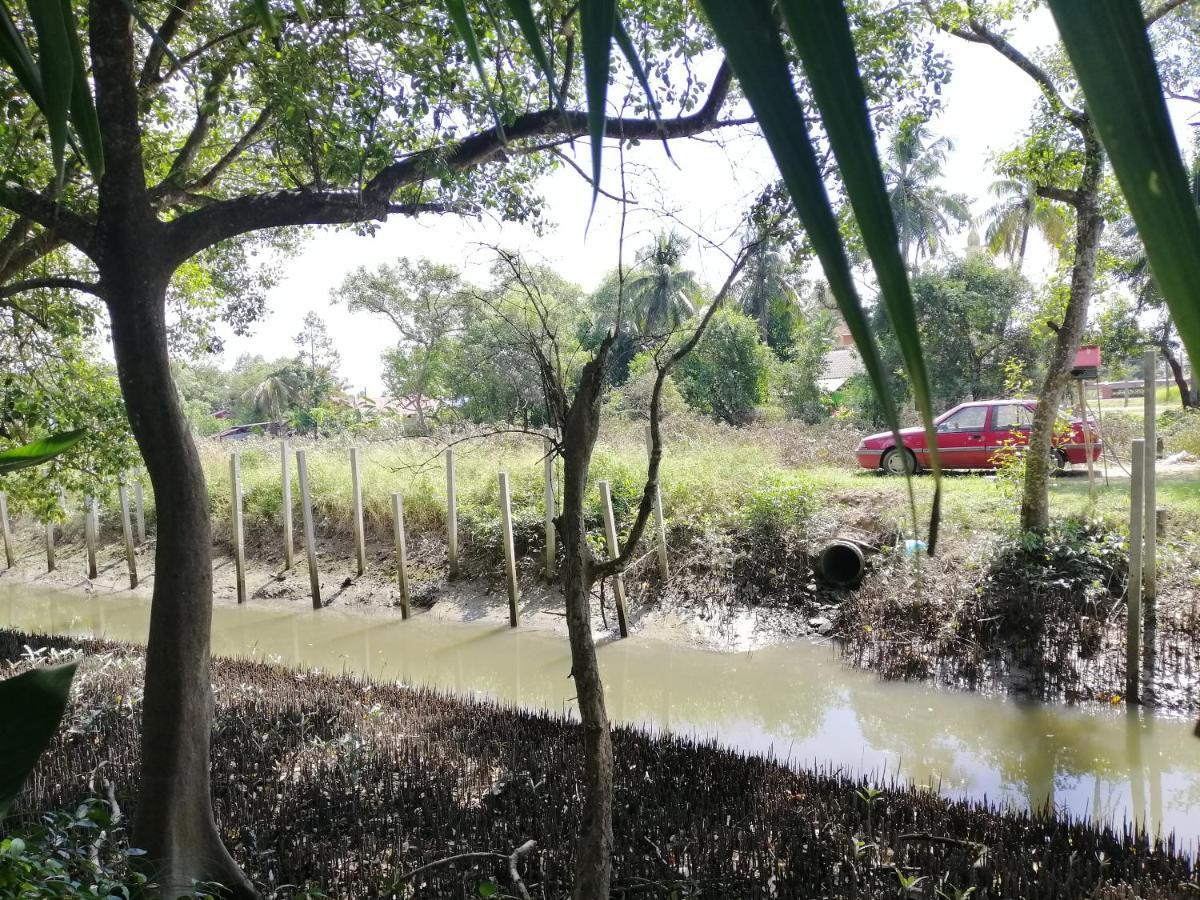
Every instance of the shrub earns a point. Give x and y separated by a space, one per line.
785 501
1037 581
726 375
79 854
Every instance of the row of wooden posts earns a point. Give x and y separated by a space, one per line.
91 529
1143 532
452 548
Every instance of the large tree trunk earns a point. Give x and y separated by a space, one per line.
1035 501
174 821
593 854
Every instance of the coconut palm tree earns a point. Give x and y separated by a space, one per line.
1019 211
924 212
765 284
274 394
660 293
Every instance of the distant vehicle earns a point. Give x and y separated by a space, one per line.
971 435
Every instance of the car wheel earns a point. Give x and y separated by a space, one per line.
1058 461
899 461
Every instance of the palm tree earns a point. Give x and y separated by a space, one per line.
924 212
1020 211
660 293
765 284
274 394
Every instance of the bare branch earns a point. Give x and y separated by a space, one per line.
1062 195
618 564
978 33
163 37
50 283
1162 9
558 154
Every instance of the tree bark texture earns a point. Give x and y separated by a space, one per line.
1089 225
593 855
174 821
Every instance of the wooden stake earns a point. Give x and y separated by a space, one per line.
451 515
49 546
1150 487
91 519
510 555
614 550
310 540
401 553
139 509
127 532
1133 625
289 553
360 539
239 531
10 558
660 525
548 450
1087 444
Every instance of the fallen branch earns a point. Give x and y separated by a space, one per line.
513 874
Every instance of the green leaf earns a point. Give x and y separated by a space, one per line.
15 52
522 12
58 72
262 9
488 889
83 109
38 452
1108 46
822 35
31 707
750 36
462 24
597 22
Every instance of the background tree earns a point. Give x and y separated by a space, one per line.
1063 157
1019 211
659 292
973 317
924 211
727 374
426 302
767 294
315 380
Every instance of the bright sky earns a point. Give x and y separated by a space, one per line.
986 110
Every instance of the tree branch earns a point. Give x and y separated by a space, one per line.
200 130
617 565
1062 195
196 230
1162 9
50 283
164 35
978 33
232 154
70 226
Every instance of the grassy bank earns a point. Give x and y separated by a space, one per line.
352 788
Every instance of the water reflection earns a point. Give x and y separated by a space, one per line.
795 701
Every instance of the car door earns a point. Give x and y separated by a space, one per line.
962 438
1008 426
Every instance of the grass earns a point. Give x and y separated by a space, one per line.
713 480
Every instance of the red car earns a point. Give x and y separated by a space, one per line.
970 436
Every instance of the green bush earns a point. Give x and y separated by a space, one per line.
78 854
727 374
784 501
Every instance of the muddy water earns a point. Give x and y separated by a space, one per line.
796 701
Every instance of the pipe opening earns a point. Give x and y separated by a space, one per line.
842 564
